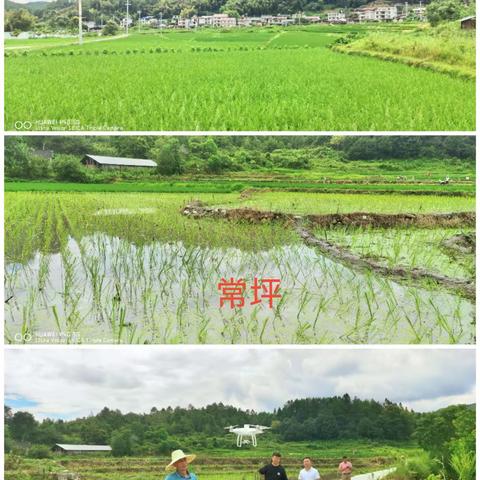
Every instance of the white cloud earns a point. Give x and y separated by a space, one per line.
74 382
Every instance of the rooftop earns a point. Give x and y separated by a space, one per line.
86 448
128 162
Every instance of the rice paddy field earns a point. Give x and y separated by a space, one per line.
214 465
106 267
254 79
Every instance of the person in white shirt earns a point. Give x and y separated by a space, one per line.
308 472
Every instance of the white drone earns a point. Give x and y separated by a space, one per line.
247 431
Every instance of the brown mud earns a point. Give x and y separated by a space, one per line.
355 219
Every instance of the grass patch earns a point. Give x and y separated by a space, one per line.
449 51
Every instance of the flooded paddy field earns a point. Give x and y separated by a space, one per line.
131 268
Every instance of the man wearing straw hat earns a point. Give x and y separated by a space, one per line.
180 463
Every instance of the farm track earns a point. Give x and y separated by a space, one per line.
301 225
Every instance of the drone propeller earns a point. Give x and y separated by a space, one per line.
231 426
261 427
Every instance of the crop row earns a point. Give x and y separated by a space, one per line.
64 53
130 268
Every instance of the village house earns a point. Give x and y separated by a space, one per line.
151 21
80 449
186 22
245 22
419 12
222 20
281 20
377 13
336 16
124 22
100 161
219 20
468 23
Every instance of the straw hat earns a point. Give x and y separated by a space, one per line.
178 455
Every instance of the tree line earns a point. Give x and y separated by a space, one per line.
447 436
218 155
160 430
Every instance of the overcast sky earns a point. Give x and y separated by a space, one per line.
68 383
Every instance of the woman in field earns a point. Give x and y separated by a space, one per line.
180 463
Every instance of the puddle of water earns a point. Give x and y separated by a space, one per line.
168 293
123 211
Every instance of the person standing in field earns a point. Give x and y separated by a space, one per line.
274 471
308 472
180 463
345 469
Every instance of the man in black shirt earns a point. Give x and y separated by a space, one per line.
274 471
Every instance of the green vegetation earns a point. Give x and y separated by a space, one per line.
161 430
439 11
444 49
234 163
19 20
323 203
118 259
412 248
246 95
218 464
448 437
374 435
225 185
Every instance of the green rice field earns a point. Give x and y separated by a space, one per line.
130 268
238 464
254 79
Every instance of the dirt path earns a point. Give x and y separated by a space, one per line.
70 43
355 219
274 38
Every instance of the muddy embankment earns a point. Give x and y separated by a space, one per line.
355 219
303 226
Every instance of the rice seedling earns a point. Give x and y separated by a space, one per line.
129 268
323 203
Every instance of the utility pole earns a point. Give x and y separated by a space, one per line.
127 4
80 37
139 13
